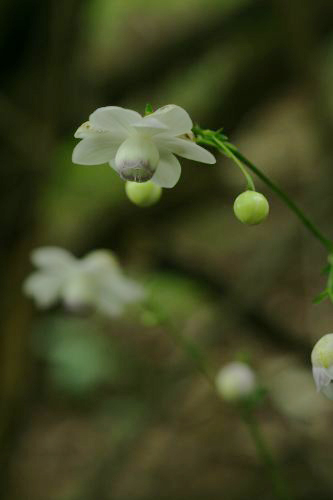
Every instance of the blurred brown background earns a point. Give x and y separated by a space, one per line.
113 410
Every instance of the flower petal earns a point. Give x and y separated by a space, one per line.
52 258
168 170
114 118
99 261
174 117
186 148
115 291
150 126
87 130
96 150
43 288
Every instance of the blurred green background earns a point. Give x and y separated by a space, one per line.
112 410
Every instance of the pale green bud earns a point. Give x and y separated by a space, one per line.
235 382
322 365
136 159
251 207
144 194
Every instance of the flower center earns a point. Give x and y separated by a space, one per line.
137 159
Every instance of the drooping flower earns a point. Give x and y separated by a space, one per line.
95 281
139 148
322 365
236 381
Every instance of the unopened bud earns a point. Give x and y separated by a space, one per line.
322 365
235 382
251 207
144 194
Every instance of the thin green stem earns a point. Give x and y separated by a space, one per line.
215 139
193 352
230 154
198 359
265 454
288 201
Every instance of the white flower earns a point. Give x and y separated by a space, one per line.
322 365
95 280
235 381
139 148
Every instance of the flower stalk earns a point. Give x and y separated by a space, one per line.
265 454
245 408
220 142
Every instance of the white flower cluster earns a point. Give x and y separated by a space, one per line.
139 148
95 281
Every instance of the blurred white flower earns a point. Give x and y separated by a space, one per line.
139 148
322 365
236 381
96 281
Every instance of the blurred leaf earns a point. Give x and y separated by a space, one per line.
79 359
174 296
320 297
77 194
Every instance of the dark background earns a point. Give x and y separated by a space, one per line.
112 410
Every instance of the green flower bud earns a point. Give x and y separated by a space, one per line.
251 207
322 365
144 194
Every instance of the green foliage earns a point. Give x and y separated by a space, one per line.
75 195
79 359
172 296
148 109
328 292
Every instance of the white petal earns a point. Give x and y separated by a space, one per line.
150 126
328 391
78 290
114 118
174 117
99 261
128 290
87 130
115 291
52 258
112 164
186 148
168 170
96 150
321 377
43 288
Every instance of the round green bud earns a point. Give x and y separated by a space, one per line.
251 207
143 194
322 353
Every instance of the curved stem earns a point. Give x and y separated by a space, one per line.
288 201
266 455
215 139
198 359
230 154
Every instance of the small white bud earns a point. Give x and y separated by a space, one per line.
137 159
322 365
235 382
